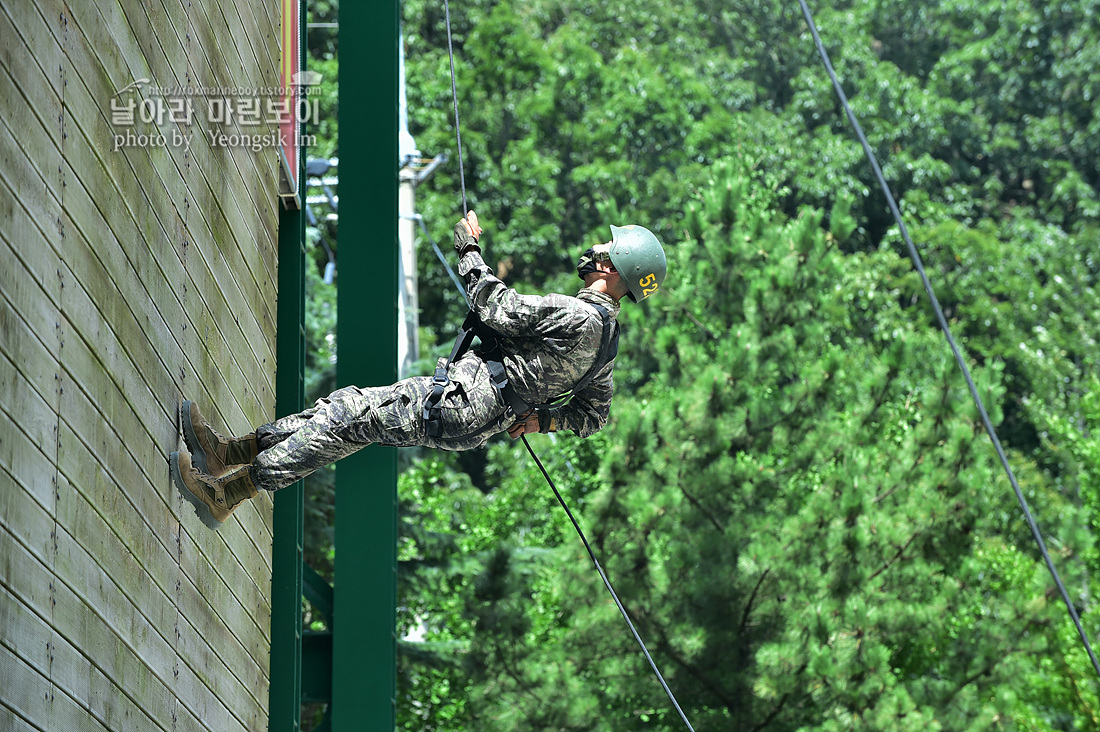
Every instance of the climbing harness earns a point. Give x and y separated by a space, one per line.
493 356
915 256
605 349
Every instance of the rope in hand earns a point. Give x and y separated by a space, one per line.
915 256
577 526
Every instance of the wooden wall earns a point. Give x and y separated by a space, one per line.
129 279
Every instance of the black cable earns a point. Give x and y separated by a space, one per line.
915 256
454 96
607 583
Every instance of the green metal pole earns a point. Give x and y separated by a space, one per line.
285 691
364 644
284 709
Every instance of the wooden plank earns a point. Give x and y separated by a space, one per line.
113 384
243 628
26 635
93 172
110 383
160 291
92 511
186 721
31 584
90 266
27 402
236 578
28 441
150 331
112 468
241 612
20 323
26 693
77 623
263 41
29 216
77 694
139 414
121 319
97 562
29 27
262 37
31 170
146 670
24 87
35 170
30 638
92 613
224 65
237 682
254 49
211 72
74 672
66 714
95 177
29 520
30 324
100 35
133 515
10 720
84 518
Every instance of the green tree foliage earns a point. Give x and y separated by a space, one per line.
794 496
799 505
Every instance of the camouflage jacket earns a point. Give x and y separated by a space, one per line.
549 343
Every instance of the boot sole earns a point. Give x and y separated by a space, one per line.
201 509
198 455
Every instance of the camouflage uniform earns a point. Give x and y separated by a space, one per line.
548 342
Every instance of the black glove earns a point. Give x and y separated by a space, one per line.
546 420
464 240
586 265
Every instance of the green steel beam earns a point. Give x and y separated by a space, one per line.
285 691
364 644
318 592
317 666
284 708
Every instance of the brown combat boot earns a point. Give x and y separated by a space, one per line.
212 453
214 499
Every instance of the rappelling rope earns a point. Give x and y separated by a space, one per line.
577 526
915 256
607 583
454 96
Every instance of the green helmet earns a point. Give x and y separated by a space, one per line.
639 259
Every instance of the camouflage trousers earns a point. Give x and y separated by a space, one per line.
351 418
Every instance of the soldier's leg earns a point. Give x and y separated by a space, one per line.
342 423
275 432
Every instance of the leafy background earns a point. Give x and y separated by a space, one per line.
794 495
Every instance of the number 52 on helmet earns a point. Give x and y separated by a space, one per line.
639 258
